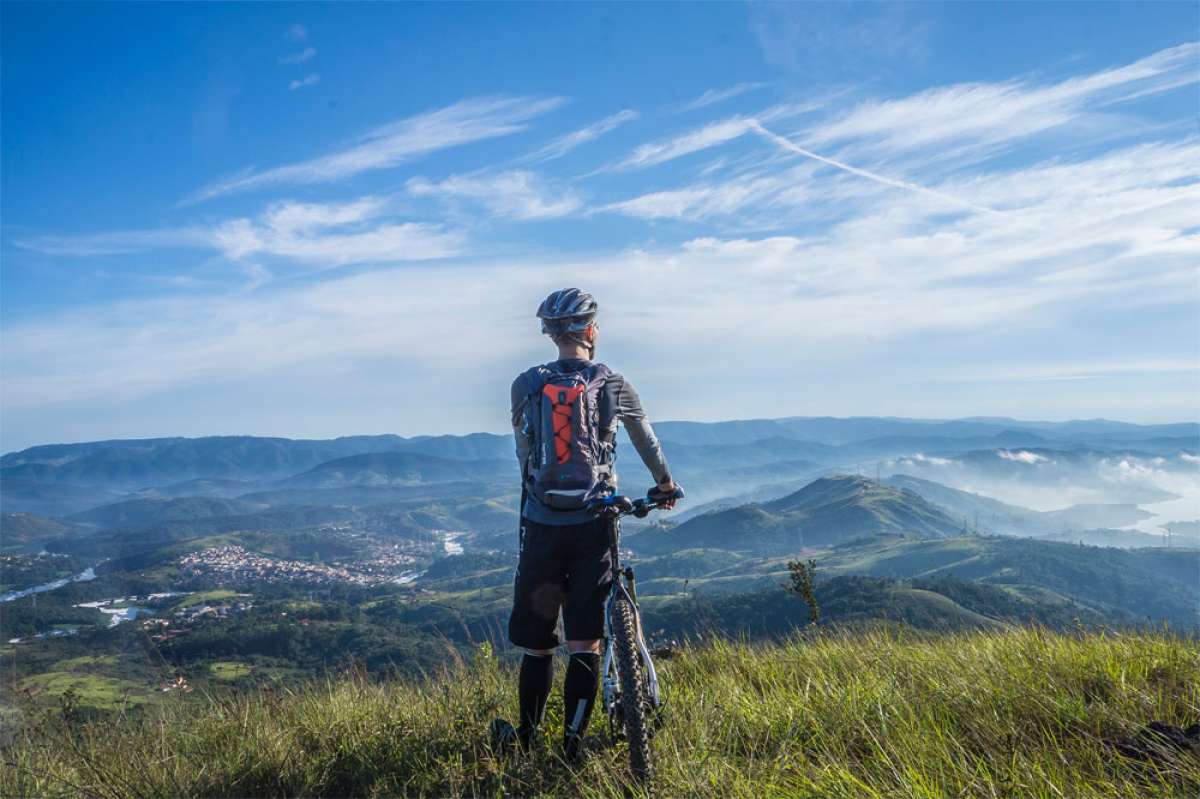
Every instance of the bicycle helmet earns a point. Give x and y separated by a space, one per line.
567 311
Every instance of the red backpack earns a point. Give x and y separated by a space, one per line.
571 460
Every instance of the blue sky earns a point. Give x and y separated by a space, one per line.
321 220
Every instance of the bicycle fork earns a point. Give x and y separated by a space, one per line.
611 686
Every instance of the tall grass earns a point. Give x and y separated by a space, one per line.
1022 713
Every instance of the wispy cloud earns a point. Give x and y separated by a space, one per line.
824 38
708 136
706 200
295 32
320 235
121 242
790 146
315 235
991 113
307 80
1090 369
714 96
565 144
299 58
513 194
397 142
712 134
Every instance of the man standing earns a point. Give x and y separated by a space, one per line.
565 416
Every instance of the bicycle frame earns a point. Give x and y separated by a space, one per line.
624 583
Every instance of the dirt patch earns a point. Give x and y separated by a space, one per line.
1161 743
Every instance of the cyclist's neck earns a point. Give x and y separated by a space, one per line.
573 352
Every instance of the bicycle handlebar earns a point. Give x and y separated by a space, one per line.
616 505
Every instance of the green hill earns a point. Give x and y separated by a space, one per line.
18 530
143 512
1128 586
827 511
984 714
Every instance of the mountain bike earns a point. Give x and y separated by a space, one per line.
631 693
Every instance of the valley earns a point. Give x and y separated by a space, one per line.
132 571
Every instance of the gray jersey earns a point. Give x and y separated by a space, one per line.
619 402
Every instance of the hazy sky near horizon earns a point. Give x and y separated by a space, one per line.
319 220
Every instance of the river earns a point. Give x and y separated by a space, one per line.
87 574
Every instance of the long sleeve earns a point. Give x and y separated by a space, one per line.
521 432
633 417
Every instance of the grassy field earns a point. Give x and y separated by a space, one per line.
202 597
95 691
229 670
1021 713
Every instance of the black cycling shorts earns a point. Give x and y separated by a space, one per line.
561 566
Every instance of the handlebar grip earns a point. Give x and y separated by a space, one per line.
654 495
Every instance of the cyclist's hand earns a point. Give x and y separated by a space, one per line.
664 494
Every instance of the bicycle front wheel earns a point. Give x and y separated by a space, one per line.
632 680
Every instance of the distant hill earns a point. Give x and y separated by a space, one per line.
20 529
52 499
991 515
828 510
718 460
124 541
398 468
1127 586
1124 539
838 431
143 512
163 461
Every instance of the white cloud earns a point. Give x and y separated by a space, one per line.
1022 456
710 135
296 32
321 235
307 80
299 57
565 144
706 200
397 142
514 194
330 235
927 460
985 114
714 96
853 307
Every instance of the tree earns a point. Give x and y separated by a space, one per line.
801 584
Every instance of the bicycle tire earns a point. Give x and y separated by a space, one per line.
633 691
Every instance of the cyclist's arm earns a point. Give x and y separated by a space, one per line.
522 434
633 417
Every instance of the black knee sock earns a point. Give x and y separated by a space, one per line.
533 689
579 691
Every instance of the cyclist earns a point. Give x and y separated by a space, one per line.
564 560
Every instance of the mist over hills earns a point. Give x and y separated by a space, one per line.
717 460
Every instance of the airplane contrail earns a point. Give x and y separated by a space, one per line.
787 144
